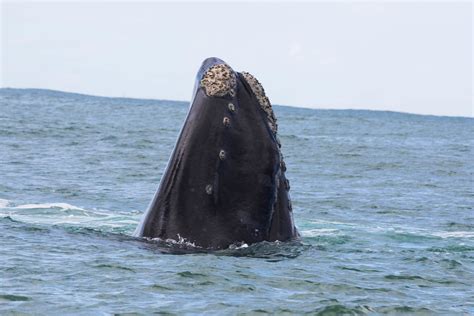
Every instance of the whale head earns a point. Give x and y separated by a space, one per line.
225 181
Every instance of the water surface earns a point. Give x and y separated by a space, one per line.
384 202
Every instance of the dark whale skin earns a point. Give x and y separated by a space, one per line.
214 200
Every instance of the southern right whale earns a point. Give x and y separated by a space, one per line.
225 181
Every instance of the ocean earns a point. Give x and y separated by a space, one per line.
383 200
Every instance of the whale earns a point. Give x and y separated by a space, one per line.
225 181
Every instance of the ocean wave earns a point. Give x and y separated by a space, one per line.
409 234
320 232
271 251
4 203
65 214
13 298
455 234
62 206
320 221
339 309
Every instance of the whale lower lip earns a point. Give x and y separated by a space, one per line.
225 180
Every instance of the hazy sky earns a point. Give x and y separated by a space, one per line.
410 57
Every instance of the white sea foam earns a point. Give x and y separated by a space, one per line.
63 206
319 232
181 241
4 203
422 232
459 234
238 246
320 221
67 214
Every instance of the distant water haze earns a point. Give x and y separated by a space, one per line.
397 56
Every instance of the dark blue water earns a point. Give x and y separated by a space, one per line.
384 202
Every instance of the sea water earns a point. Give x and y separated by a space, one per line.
383 200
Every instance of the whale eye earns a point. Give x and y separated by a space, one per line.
222 154
226 121
209 189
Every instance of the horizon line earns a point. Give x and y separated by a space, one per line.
275 104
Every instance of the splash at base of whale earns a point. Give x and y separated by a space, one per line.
225 181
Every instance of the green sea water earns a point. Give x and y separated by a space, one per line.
384 202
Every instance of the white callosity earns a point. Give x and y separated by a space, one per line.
264 102
218 81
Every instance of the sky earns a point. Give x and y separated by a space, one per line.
400 56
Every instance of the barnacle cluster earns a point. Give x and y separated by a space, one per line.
219 80
264 102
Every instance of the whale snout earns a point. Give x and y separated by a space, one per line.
216 77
